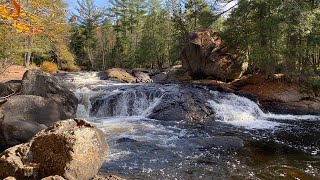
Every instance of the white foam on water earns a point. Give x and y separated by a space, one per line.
240 111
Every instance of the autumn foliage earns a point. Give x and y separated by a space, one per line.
13 15
49 67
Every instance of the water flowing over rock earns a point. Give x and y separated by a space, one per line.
204 55
181 131
279 95
184 103
166 103
128 101
41 102
73 149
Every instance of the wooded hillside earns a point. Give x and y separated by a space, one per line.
273 36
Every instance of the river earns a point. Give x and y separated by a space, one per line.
239 141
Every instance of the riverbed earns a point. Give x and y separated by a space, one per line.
240 141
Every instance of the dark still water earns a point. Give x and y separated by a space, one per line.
239 142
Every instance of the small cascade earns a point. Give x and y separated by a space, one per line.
144 146
240 111
129 102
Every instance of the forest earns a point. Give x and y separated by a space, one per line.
273 36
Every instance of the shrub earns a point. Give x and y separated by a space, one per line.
49 67
314 82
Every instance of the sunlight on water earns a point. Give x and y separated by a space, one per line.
143 148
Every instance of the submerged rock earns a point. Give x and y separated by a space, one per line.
72 149
227 142
204 55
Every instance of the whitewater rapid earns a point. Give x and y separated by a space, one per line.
146 148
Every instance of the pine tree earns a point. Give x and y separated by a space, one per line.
89 17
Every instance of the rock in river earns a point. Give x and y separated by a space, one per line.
121 75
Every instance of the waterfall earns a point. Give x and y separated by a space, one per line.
148 131
240 111
129 102
102 98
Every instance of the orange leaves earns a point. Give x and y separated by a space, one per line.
17 7
19 20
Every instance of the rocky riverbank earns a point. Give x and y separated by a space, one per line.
69 149
42 146
32 104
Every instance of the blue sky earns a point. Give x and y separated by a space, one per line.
73 3
100 3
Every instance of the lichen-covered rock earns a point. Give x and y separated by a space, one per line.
12 163
72 149
121 75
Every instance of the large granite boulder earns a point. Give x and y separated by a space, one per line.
184 103
25 115
72 149
41 102
39 83
121 75
205 56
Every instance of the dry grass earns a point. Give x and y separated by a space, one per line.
13 72
49 67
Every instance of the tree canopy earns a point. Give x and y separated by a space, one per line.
274 36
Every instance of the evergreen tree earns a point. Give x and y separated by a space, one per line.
89 17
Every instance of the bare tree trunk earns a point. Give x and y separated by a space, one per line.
27 59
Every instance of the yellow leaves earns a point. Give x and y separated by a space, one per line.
5 13
14 16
